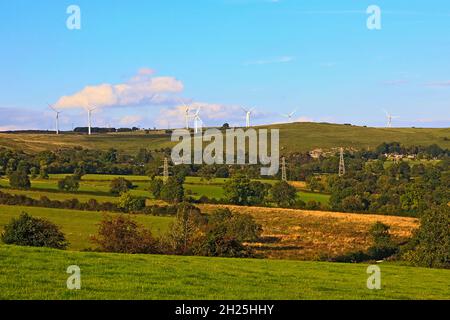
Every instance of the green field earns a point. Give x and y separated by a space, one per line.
97 186
294 137
37 273
78 226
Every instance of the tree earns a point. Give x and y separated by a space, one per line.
143 156
120 185
128 203
69 183
19 180
224 235
35 232
241 190
123 235
156 187
382 246
172 191
185 231
432 241
110 156
283 194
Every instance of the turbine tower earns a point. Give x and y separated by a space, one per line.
197 121
389 118
89 110
57 117
186 114
289 115
247 116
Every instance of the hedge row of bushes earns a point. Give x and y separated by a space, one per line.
75 204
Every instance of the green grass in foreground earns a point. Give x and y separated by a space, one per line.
37 273
78 226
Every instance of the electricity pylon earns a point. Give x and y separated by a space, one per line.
341 163
166 170
283 169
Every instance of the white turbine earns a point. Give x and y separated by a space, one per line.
57 117
289 115
389 118
89 110
247 116
186 114
197 121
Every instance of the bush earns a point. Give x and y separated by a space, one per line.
123 235
35 232
120 185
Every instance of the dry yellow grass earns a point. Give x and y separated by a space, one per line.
303 234
298 184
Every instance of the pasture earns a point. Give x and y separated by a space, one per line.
97 186
79 226
311 235
294 137
38 273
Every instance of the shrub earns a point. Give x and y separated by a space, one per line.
35 232
120 185
123 235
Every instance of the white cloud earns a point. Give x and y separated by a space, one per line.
143 88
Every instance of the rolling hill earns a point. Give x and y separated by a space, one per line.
293 137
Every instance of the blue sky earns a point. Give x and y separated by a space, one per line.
275 56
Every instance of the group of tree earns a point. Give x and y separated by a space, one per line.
222 234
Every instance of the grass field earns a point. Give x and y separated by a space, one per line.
78 226
97 186
37 273
293 137
305 235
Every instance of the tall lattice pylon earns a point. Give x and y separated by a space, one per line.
341 163
283 169
166 170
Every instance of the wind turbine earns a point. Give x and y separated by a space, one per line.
247 116
89 110
289 115
197 121
186 114
389 118
57 117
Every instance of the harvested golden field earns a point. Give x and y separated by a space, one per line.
303 234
